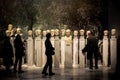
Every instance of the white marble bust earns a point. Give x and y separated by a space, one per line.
30 33
52 31
113 32
48 31
56 32
63 32
44 33
68 37
106 33
75 33
7 32
10 28
82 32
38 32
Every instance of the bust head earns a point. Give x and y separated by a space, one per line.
68 32
88 32
44 33
56 32
10 27
75 33
37 32
30 33
82 32
7 32
48 31
113 32
52 32
63 32
18 30
105 32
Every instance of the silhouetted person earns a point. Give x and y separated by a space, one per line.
92 50
7 54
19 53
49 52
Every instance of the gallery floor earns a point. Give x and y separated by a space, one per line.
33 73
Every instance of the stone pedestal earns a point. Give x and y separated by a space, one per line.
53 44
30 51
105 51
75 52
12 43
38 52
81 56
62 59
44 59
113 51
57 52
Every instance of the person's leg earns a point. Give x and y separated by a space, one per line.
50 66
91 62
96 61
46 66
20 64
15 65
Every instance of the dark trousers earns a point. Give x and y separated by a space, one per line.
48 64
18 61
91 60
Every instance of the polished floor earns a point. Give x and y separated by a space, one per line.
33 73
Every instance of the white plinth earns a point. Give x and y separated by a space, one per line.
44 59
57 52
68 55
38 52
75 52
105 51
113 51
30 51
81 56
62 59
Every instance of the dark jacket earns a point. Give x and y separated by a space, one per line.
91 46
19 48
49 48
7 52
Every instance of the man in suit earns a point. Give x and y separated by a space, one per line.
92 50
19 53
49 52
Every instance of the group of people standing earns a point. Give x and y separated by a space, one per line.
8 52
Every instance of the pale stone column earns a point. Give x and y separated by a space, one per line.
81 46
52 42
62 45
57 49
38 48
44 59
30 49
113 49
105 48
75 49
68 49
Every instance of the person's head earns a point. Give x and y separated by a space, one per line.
48 35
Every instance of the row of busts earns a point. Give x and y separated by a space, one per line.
67 32
55 32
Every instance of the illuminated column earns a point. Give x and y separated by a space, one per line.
38 48
75 49
105 48
30 49
52 42
68 49
113 49
62 59
57 49
43 49
81 46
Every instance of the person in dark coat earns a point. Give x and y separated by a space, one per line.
49 52
19 53
7 53
92 50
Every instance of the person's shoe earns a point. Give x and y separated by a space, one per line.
20 71
44 73
51 74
